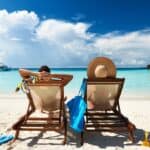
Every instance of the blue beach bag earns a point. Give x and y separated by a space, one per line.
77 108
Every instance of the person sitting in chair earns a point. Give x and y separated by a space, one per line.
43 74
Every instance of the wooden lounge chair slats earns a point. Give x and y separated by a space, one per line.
40 129
48 99
116 130
43 118
106 115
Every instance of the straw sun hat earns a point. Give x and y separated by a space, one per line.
101 67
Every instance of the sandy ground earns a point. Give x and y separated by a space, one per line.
135 107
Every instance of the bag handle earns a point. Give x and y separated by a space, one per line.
82 88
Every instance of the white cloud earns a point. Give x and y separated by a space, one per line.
60 31
127 49
27 41
17 23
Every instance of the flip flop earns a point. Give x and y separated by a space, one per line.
5 138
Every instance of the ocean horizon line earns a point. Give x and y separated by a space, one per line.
78 68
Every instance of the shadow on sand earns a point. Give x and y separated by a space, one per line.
107 140
94 138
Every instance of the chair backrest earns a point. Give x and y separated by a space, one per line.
46 96
104 93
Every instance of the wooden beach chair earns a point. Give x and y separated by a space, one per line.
46 111
102 95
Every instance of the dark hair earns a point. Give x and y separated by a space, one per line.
44 68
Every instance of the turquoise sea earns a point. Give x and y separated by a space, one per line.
136 80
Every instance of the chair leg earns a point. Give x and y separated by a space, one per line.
16 136
20 121
131 128
18 124
82 139
16 127
65 131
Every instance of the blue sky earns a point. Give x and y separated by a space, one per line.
66 33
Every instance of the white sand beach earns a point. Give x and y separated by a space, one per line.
135 107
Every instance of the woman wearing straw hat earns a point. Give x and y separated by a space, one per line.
100 67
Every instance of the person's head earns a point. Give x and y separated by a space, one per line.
44 68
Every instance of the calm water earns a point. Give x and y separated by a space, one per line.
136 79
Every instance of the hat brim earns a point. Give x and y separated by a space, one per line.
111 68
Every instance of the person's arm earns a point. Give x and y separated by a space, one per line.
27 73
63 77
